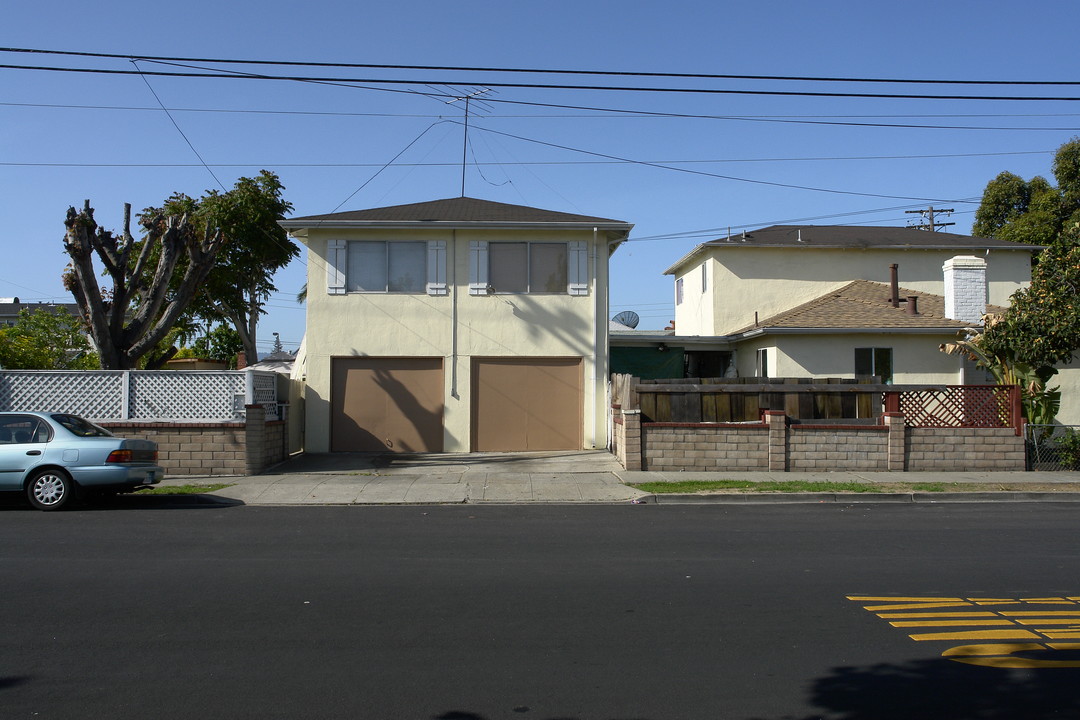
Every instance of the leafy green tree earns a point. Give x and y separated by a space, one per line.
1034 211
43 339
240 283
1041 327
222 344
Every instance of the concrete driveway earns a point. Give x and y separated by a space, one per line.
391 478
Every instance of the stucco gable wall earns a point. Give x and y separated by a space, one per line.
771 280
419 325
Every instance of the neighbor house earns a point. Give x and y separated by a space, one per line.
455 325
841 301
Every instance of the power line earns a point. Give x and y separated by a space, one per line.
707 161
708 174
544 71
541 86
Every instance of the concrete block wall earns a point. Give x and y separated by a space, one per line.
212 449
776 446
686 446
824 449
965 449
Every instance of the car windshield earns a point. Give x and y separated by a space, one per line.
83 428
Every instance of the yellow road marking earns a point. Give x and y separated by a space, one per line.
1016 634
863 598
1030 613
1046 621
887 616
1004 655
953 623
917 606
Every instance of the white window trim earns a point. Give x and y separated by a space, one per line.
337 261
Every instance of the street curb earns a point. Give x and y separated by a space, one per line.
922 498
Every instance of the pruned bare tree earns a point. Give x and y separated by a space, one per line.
129 319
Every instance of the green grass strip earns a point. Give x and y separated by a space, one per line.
692 486
183 489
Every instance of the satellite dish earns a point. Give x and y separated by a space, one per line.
629 318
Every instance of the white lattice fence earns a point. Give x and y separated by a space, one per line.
151 395
90 393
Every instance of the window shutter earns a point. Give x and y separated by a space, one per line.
436 268
336 262
578 270
478 267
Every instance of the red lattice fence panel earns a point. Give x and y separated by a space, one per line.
976 406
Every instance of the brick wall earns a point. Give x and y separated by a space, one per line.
225 448
818 449
685 446
774 445
965 449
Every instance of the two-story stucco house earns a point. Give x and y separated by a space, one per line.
826 301
456 325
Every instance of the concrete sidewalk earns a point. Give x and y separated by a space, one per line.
572 477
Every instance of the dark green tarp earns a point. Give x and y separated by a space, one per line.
648 363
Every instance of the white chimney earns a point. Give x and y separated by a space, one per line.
965 288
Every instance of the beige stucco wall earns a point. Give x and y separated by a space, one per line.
407 325
1068 381
697 306
745 280
916 358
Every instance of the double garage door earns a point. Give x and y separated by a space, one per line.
396 404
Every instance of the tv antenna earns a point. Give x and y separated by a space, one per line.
467 97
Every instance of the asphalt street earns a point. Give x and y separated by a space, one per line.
152 607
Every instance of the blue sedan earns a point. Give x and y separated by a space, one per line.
52 456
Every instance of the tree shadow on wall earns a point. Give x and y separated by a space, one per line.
941 688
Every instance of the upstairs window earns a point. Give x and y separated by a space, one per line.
517 267
678 291
875 361
386 267
378 266
528 267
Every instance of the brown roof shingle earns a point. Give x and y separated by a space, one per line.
453 210
863 304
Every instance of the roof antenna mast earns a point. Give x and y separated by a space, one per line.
465 139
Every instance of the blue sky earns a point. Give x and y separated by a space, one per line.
66 137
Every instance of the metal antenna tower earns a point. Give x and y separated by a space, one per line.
467 97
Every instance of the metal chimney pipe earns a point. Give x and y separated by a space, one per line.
894 282
912 304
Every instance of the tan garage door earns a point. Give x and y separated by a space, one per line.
389 404
526 404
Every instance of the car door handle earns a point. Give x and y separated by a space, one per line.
33 452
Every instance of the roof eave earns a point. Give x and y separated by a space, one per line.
300 224
757 332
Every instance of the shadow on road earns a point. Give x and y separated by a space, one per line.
940 688
14 502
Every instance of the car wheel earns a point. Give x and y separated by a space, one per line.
49 489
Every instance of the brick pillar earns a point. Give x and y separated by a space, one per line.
631 439
777 422
254 439
897 441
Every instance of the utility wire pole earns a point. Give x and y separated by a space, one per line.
465 141
928 214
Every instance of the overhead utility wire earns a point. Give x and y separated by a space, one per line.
532 162
708 174
628 113
609 112
542 71
546 86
